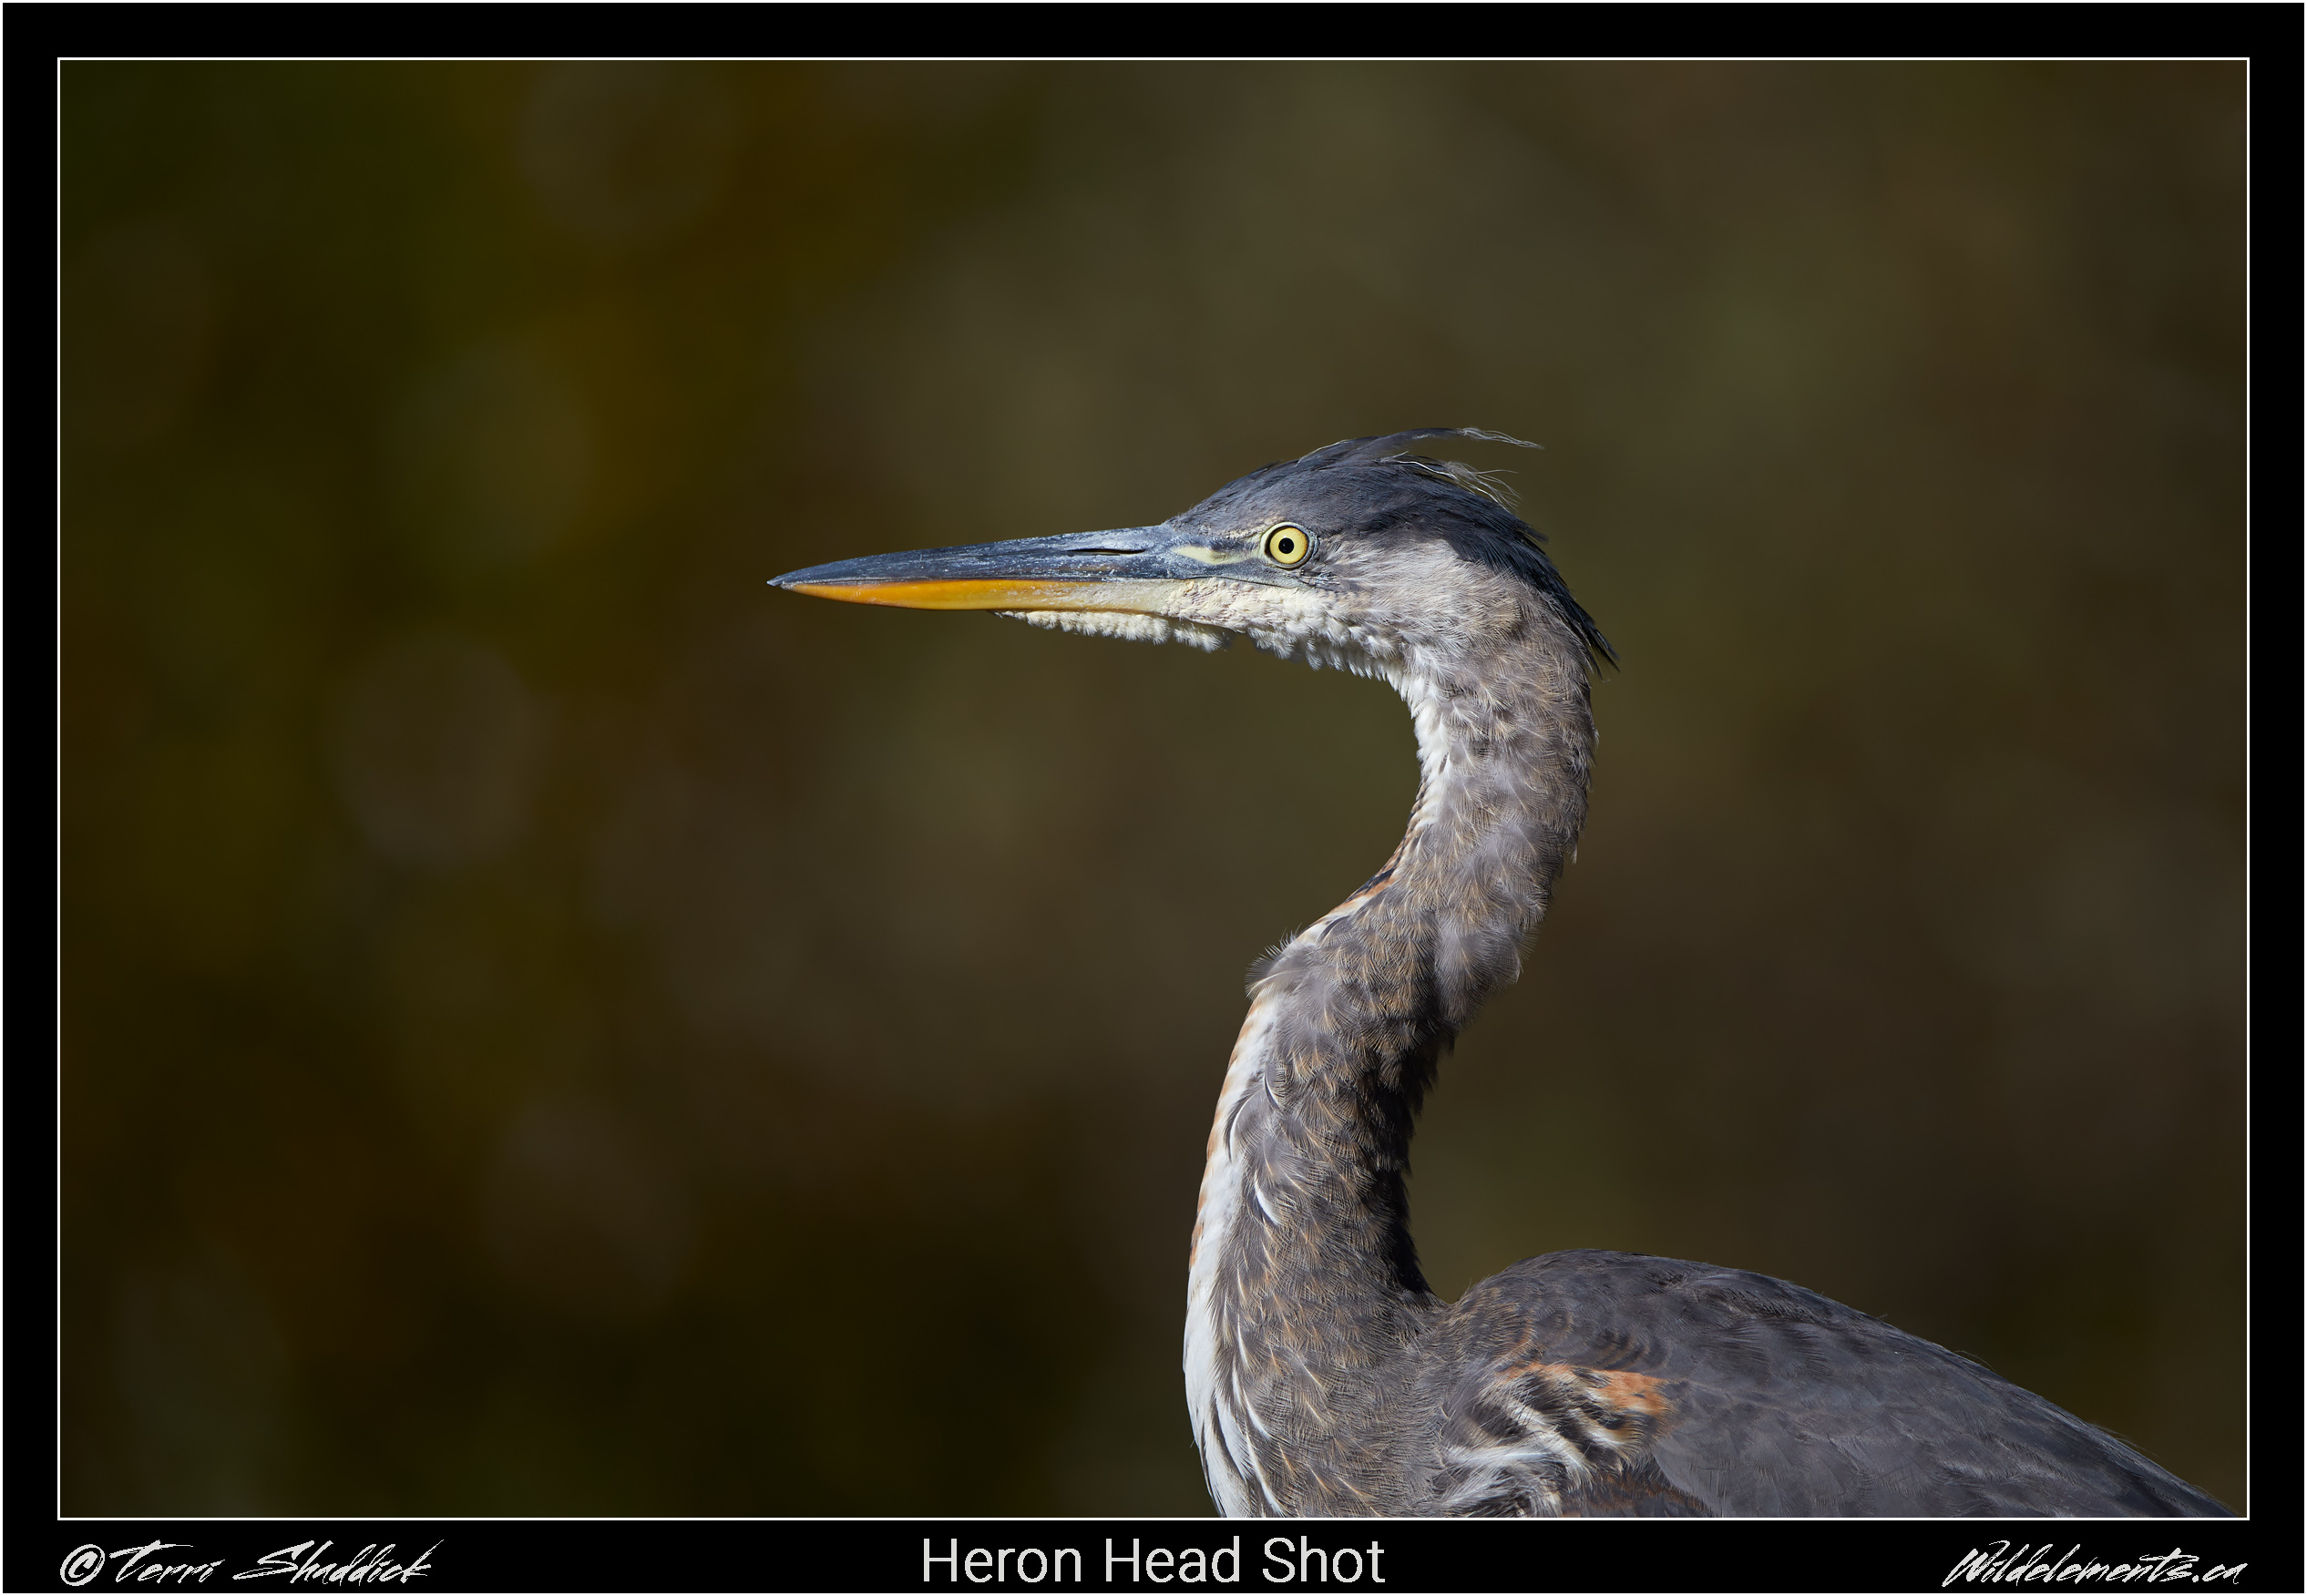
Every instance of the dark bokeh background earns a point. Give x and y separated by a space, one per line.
550 1025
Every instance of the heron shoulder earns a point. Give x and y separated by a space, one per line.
1612 1383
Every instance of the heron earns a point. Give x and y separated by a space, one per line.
1324 1376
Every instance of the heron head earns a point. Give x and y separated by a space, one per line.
1362 556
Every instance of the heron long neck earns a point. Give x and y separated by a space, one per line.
1305 1282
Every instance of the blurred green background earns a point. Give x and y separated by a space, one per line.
552 1026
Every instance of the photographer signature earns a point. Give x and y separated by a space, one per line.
301 1564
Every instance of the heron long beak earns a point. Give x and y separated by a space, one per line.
1139 570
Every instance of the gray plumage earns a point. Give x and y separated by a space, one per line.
1324 1377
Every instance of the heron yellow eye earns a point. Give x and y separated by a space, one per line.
1288 546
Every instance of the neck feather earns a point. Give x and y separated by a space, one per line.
1305 1282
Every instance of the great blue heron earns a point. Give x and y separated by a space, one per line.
1324 1377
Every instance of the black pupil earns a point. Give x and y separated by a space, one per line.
1287 546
